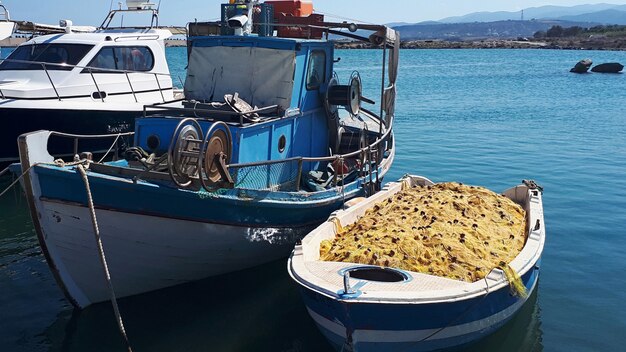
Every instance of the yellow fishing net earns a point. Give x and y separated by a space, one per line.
449 230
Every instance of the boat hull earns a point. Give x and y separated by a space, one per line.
414 327
154 235
146 253
17 121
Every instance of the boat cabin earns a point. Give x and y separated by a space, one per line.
284 79
106 65
270 101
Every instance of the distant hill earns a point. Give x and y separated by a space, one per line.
610 16
507 25
542 12
478 30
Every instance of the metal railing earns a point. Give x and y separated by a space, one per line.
5 12
76 138
371 155
91 70
196 111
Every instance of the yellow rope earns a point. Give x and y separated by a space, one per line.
338 227
515 282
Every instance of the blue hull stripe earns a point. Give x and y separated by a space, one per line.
232 207
381 338
371 316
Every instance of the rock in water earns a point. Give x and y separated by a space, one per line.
582 66
610 67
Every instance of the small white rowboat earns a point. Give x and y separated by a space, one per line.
370 308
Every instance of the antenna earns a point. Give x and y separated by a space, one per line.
159 6
522 15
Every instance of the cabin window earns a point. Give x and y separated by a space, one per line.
130 58
316 72
59 57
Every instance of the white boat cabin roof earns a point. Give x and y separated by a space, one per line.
104 35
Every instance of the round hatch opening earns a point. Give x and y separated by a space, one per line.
378 274
282 143
153 142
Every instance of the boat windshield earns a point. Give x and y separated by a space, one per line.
66 54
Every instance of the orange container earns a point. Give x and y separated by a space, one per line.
296 8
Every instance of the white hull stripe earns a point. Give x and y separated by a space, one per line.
399 336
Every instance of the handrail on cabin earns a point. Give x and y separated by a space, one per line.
90 70
7 17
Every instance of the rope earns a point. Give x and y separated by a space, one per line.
337 222
107 275
110 148
343 182
4 171
81 169
16 180
57 162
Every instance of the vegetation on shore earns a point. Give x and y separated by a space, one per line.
610 37
611 31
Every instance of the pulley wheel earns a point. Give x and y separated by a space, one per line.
218 143
185 165
183 152
355 96
331 109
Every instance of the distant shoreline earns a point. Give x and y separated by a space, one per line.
616 44
612 44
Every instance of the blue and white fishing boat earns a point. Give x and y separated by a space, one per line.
267 146
370 308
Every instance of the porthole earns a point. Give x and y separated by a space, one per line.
99 95
153 142
282 143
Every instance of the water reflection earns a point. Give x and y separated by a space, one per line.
254 310
523 333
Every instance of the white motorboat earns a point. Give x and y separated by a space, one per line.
84 83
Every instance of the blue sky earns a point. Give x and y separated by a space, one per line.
179 12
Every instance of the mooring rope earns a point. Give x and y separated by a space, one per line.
4 171
16 180
81 168
110 148
107 274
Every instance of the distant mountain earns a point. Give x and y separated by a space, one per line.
396 24
481 30
610 16
543 12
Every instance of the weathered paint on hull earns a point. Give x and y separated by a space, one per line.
146 253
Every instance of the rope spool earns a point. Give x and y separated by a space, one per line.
348 96
217 143
184 152
331 110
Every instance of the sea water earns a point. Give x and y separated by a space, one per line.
484 117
